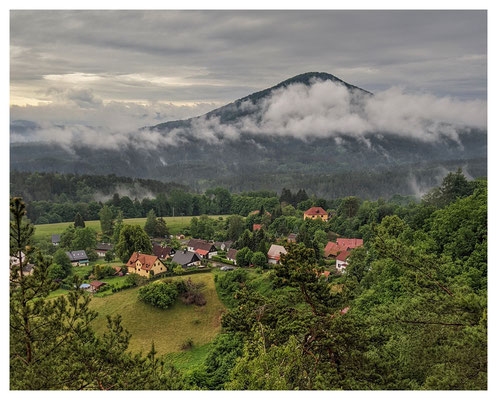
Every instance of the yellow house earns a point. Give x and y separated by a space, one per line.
315 213
145 265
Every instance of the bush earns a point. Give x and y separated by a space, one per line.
192 293
187 344
134 280
161 295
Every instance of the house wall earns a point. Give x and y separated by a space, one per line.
323 217
340 265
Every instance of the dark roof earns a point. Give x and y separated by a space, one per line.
196 242
97 284
231 254
206 246
161 252
78 255
104 246
185 257
56 238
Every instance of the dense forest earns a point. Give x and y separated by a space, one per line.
410 311
53 197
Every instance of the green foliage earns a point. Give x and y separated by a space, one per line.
84 238
162 294
150 223
55 271
62 259
79 222
107 220
244 257
259 259
220 360
109 256
132 238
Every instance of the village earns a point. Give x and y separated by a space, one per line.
197 254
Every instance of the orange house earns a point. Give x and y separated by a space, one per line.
315 213
145 265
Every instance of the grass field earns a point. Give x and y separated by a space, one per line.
175 224
168 329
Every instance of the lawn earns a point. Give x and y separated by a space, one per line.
187 360
168 329
175 224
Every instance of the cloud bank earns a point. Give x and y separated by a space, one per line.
323 109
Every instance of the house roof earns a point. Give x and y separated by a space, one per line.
161 252
256 227
202 252
195 243
332 249
315 211
84 286
146 260
56 238
97 284
347 244
104 246
231 254
258 211
275 250
292 236
206 246
77 255
343 256
185 257
117 269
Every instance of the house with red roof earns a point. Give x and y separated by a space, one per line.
349 244
316 213
202 248
96 285
342 260
145 265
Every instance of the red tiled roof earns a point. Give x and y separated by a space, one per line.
331 249
256 227
146 260
347 244
258 211
343 255
315 211
97 284
202 252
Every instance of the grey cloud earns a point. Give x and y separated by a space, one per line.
321 110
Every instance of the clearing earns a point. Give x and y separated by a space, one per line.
175 225
168 329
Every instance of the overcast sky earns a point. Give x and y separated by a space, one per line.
136 68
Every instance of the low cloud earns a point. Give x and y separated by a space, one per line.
322 110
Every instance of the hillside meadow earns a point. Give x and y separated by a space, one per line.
175 225
168 329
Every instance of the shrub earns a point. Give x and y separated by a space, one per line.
187 344
134 280
192 293
161 295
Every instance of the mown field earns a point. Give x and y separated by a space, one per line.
175 224
168 329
